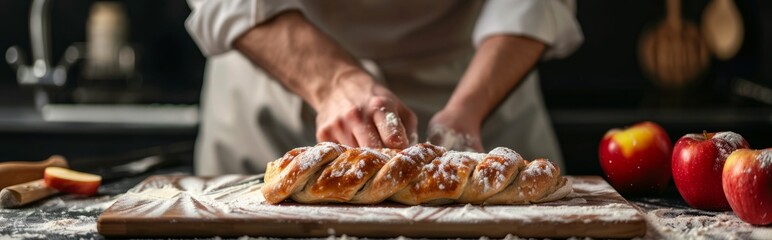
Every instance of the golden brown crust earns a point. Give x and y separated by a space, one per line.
421 174
442 180
343 177
398 173
494 173
274 167
298 170
532 183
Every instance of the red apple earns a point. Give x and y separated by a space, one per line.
70 181
698 160
747 182
636 160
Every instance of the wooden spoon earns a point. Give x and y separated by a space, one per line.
673 53
722 28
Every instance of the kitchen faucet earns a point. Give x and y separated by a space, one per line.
42 74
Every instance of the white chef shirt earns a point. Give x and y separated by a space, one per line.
418 49
215 24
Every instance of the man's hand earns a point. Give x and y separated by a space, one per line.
499 64
360 112
455 130
352 108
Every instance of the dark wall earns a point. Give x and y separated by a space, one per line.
606 66
169 61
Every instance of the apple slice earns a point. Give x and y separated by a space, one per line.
70 181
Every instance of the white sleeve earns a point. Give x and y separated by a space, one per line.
215 24
549 21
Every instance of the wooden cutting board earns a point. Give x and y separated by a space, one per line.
231 206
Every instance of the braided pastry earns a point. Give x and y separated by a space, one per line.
421 174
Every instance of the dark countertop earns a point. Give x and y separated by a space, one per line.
25 135
73 217
29 120
671 218
68 216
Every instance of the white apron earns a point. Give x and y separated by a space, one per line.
249 119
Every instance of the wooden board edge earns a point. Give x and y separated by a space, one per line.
115 227
229 228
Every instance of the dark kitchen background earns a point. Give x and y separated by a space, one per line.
599 87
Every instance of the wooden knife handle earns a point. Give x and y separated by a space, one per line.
12 173
22 194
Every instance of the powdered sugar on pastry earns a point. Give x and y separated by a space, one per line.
414 151
312 156
506 153
420 174
539 169
445 165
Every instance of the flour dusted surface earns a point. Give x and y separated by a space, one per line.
239 197
696 224
59 217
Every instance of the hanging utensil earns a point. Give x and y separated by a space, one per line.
673 52
722 28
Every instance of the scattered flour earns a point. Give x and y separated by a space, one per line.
240 197
19 235
59 217
190 197
731 138
684 224
451 139
392 125
728 142
70 226
392 121
765 158
584 189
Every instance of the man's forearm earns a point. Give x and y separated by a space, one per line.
499 64
296 53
